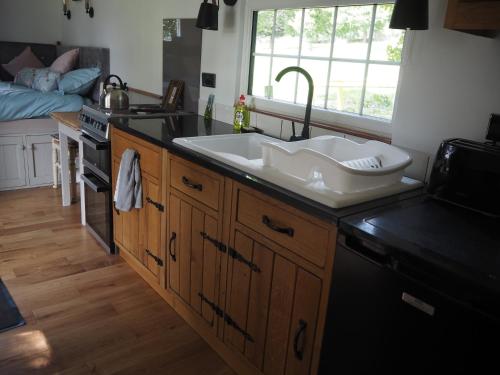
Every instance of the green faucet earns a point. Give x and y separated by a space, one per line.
307 119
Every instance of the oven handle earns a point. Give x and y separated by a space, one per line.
97 187
92 143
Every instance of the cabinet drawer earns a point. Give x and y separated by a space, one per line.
196 182
150 155
301 234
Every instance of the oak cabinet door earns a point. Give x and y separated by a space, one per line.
193 257
127 225
273 306
152 226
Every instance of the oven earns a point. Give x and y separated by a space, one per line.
97 177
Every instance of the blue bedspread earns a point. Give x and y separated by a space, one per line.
19 102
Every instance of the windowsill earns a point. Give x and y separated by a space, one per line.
359 126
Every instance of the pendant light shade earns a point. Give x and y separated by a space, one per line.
410 15
208 16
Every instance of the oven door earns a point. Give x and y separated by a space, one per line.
97 156
98 209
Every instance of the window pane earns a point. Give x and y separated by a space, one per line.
346 84
265 21
287 32
318 27
387 43
353 32
284 89
262 65
381 88
319 71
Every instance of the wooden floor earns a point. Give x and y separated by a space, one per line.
86 312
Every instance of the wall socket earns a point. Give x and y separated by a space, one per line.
208 79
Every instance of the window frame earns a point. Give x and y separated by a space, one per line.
336 118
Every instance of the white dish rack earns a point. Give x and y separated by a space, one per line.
344 166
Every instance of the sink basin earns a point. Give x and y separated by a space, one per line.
343 165
329 170
240 150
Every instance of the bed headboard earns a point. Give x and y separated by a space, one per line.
91 57
47 53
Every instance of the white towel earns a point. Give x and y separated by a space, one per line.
128 192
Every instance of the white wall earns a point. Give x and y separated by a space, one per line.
132 30
450 85
37 21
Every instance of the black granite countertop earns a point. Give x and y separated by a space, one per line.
162 132
453 239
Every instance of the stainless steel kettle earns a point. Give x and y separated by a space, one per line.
113 96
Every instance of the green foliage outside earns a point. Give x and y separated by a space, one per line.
284 19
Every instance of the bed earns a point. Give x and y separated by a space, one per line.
25 143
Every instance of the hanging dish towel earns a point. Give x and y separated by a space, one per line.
128 192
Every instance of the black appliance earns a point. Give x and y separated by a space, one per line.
97 175
393 313
467 173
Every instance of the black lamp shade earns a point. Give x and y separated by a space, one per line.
410 15
208 16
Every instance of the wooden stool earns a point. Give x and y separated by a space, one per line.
56 163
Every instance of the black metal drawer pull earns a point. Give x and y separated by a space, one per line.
191 185
159 206
157 259
300 333
268 223
229 321
230 251
170 243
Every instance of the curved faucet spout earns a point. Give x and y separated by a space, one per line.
310 94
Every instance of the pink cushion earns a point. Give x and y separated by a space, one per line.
66 62
25 60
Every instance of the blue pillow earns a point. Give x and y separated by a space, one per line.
45 80
25 77
79 81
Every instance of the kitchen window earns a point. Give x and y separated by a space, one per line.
352 55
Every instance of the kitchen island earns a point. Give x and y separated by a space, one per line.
247 263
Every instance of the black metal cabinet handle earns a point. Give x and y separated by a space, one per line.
191 185
301 330
267 222
172 239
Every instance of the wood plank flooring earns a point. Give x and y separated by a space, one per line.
86 312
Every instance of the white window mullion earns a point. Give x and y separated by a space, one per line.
273 35
370 40
330 59
300 54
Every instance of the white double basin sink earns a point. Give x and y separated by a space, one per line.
330 170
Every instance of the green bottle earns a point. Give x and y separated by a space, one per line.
241 115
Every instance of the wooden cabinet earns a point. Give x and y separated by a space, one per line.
195 195
274 305
278 283
138 233
193 257
12 162
480 17
25 161
249 273
39 158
